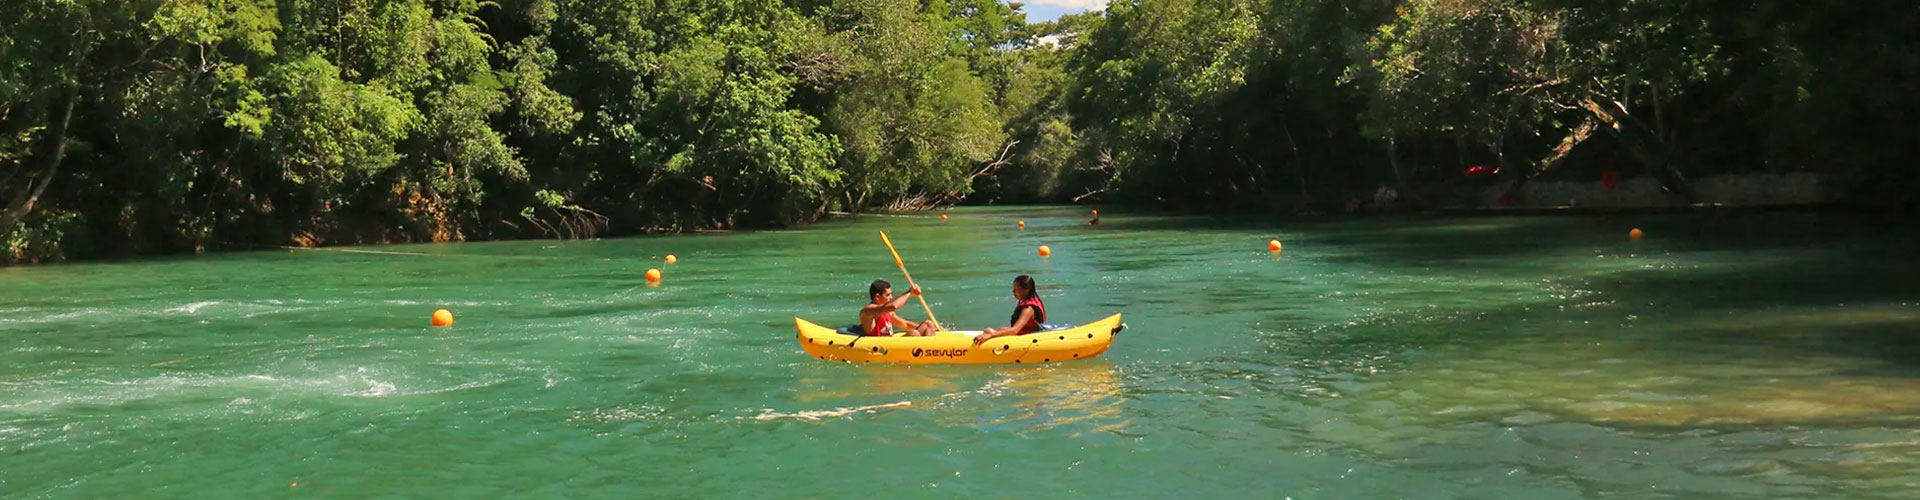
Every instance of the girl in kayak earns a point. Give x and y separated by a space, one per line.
1028 313
877 318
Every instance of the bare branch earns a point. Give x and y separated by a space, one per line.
1077 199
1002 161
1528 89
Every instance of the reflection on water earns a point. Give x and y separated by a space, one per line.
878 382
1082 396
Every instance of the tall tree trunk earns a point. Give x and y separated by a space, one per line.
1636 138
1393 159
1518 183
1516 175
1460 150
1299 169
32 186
1573 139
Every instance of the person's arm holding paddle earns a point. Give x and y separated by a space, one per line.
918 328
912 291
877 316
932 324
896 304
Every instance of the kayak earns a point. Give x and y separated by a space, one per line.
1051 345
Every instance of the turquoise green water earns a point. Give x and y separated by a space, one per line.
1749 357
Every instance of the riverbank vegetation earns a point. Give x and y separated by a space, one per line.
150 126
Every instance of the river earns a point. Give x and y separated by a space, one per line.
1736 357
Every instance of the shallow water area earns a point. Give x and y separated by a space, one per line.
1767 356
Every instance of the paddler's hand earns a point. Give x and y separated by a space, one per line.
984 336
914 290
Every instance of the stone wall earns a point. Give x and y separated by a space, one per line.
1787 189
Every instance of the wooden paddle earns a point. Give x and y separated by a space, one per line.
903 270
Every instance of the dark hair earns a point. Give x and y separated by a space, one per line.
1026 282
878 287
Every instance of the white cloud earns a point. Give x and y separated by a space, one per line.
1071 4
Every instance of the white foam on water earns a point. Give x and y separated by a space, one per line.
48 395
192 308
55 317
814 415
619 414
378 389
445 303
459 387
249 309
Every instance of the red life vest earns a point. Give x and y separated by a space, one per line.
1039 314
885 327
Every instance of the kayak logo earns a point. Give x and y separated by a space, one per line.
950 353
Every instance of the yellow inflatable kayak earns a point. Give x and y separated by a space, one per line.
956 347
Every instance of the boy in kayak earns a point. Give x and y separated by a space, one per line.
877 318
1028 312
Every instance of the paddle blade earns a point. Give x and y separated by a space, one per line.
896 253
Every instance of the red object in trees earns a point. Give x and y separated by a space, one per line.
1481 170
1610 178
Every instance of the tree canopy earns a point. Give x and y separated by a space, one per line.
149 126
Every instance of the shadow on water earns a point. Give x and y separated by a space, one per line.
1749 267
1857 300
1791 356
1425 240
1718 323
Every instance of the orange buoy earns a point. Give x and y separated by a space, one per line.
943 216
1023 223
442 317
1635 233
1044 251
653 275
671 259
1273 245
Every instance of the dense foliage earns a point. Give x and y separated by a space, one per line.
146 126
140 126
1238 103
